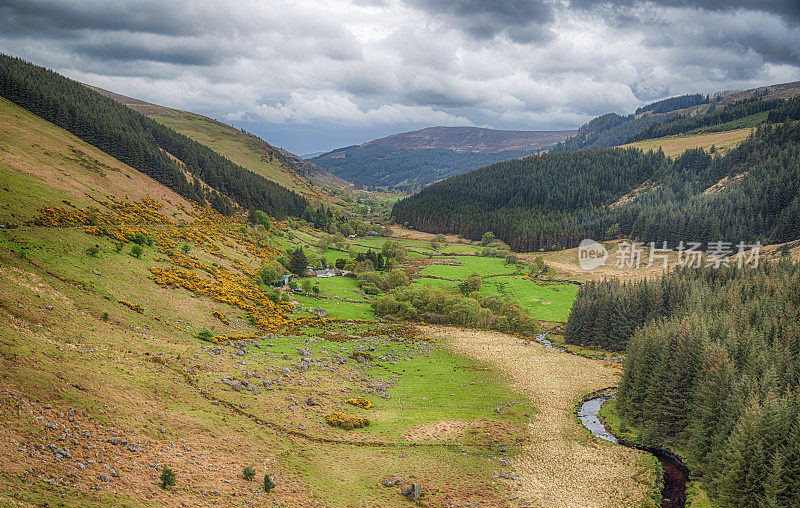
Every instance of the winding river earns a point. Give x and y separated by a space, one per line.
676 475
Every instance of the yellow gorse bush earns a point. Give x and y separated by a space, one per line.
221 316
345 421
360 402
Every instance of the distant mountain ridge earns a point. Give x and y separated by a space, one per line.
612 129
472 139
417 158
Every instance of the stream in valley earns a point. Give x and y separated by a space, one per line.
676 475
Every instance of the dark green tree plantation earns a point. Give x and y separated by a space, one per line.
142 143
713 368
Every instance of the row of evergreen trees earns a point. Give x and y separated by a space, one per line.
713 368
737 111
557 199
141 142
674 103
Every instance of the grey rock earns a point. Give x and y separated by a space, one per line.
413 491
104 478
311 402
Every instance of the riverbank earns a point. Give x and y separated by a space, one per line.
695 495
562 465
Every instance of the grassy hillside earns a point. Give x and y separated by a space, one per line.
244 149
676 145
142 143
106 381
690 114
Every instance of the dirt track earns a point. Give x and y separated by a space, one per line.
563 465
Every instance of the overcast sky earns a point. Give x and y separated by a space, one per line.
312 75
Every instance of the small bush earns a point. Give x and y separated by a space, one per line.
167 478
185 248
92 250
118 246
268 483
205 335
142 239
360 402
136 250
105 316
249 473
345 421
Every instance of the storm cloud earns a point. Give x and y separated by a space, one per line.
312 75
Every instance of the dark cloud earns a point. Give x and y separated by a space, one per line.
789 10
521 21
197 54
747 26
55 18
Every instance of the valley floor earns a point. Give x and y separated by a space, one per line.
562 464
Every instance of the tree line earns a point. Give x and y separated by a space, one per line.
713 368
141 142
685 124
674 103
555 200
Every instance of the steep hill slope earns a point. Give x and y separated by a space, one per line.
612 129
243 148
134 336
417 158
142 143
555 200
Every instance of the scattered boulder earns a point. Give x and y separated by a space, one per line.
311 402
413 491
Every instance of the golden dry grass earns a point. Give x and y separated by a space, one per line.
64 166
676 145
563 264
563 465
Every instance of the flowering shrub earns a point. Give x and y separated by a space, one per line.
347 422
132 306
233 284
221 316
360 402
